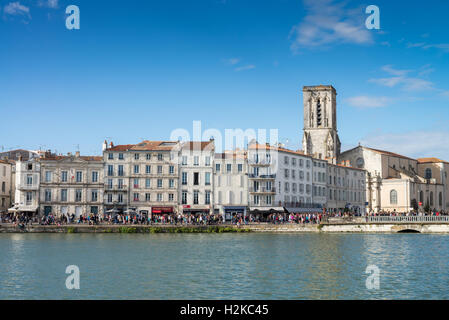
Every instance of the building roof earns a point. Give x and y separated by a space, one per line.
85 158
431 160
257 146
199 145
388 153
148 145
319 87
5 161
231 154
121 147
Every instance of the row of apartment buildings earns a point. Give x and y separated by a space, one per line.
154 177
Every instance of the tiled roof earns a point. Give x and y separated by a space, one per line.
257 146
86 158
198 145
121 147
147 145
431 160
388 153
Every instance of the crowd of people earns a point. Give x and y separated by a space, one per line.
23 219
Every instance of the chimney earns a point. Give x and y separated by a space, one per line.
105 145
111 144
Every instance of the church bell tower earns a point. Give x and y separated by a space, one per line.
320 137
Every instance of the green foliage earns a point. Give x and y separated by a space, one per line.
127 230
71 230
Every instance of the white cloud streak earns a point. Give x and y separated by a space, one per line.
328 23
368 101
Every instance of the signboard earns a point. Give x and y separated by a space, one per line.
420 203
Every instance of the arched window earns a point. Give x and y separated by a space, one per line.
428 173
440 199
393 197
318 113
431 198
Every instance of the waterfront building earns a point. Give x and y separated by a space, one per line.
398 183
70 185
262 172
27 182
141 178
5 185
25 155
346 188
196 180
231 183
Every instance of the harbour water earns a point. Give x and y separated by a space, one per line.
224 266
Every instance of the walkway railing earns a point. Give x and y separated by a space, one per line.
416 219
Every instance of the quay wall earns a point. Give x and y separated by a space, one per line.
281 228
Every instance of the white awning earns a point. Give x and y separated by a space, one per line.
266 208
27 208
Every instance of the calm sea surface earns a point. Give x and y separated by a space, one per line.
224 266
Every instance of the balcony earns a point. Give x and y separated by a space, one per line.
115 187
261 163
262 176
28 187
262 190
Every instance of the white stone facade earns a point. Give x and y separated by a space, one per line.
5 185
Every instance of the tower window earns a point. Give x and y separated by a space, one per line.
318 113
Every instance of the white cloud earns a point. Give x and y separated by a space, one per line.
16 9
232 61
401 78
414 144
328 23
48 3
368 101
247 67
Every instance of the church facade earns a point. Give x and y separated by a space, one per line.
391 182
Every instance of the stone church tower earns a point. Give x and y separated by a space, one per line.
320 137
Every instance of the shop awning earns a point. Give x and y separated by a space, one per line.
303 210
26 209
263 209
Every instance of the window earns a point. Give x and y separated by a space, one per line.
120 170
148 156
110 183
120 156
136 156
393 197
94 176
110 170
94 196
159 197
159 183
171 197
171 169
207 179
110 156
207 197
421 196
79 176
184 160
195 196
171 183
120 183
196 160
47 195
63 195
136 183
428 173
207 162
160 157
109 197
240 167
159 169
147 197
440 199
217 167
285 160
29 179
136 197
120 198
147 169
228 168
147 183
184 197
431 198
184 178
196 179
47 176
136 169
64 176
29 197
78 195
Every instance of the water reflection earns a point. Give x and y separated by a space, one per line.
223 266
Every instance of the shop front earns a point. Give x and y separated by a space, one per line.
231 212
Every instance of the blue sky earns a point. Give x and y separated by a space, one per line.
140 69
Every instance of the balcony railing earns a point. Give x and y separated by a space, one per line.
261 176
262 190
407 219
114 187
